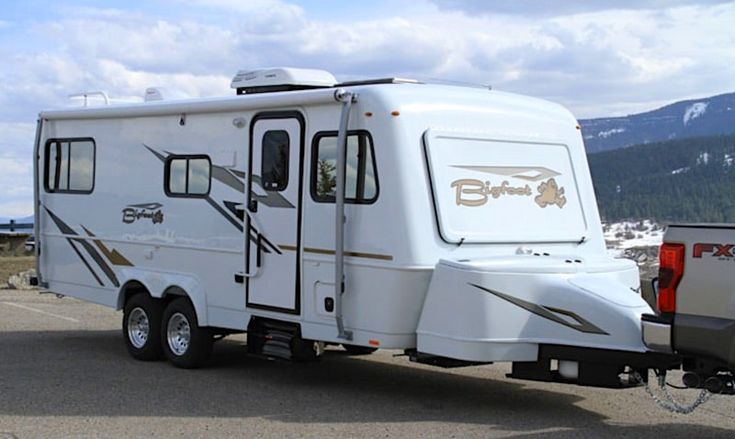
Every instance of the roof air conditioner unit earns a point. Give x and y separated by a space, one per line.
281 79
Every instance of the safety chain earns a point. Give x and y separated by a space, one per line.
668 402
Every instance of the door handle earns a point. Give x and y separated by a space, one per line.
240 276
259 250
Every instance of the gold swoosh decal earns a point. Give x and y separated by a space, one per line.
324 251
113 255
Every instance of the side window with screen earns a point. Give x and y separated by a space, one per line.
70 166
274 160
361 180
188 176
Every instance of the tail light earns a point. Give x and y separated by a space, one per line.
670 272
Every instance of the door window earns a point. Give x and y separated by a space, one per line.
274 160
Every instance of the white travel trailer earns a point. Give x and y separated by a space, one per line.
458 224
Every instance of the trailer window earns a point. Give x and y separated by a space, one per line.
70 165
274 160
188 176
361 181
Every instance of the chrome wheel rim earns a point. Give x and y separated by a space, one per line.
178 334
138 327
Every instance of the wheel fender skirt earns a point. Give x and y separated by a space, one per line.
161 284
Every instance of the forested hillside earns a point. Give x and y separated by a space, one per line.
690 180
710 116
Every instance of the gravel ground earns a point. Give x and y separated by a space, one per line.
64 372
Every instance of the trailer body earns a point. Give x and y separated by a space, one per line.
471 230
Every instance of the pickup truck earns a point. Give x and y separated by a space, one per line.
695 300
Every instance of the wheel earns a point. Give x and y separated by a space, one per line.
185 343
358 350
141 325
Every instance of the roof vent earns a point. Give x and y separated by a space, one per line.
281 79
153 94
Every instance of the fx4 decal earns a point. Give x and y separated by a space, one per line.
714 250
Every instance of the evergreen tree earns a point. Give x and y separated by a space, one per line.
327 178
688 180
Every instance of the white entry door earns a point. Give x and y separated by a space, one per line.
274 212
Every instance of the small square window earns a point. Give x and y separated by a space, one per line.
70 166
188 176
361 181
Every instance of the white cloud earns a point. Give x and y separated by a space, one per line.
134 82
562 7
16 186
16 140
261 7
16 169
583 60
651 69
15 209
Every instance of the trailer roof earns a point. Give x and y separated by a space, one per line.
399 93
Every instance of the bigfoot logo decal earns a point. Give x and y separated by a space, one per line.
472 192
134 212
551 194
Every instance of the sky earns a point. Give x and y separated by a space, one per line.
596 57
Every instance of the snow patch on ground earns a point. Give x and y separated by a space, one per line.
637 241
680 170
608 133
703 158
727 161
628 234
694 111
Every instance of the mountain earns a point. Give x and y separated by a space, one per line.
690 180
680 120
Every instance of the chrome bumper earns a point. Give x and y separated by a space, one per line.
657 336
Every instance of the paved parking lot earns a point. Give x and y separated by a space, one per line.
64 372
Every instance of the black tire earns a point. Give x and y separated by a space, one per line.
358 350
180 315
141 326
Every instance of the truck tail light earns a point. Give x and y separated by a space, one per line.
670 272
